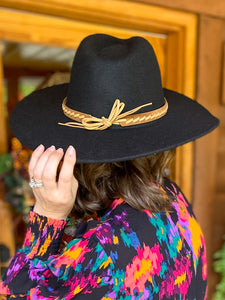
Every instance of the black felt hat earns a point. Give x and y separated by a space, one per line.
114 107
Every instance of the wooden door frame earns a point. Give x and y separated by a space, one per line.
68 22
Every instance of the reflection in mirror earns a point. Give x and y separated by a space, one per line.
26 67
36 57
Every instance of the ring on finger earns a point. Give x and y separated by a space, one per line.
35 184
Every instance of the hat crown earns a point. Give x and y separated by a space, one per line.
106 68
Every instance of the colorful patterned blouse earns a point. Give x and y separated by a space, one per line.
124 254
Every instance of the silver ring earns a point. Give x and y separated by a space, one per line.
35 184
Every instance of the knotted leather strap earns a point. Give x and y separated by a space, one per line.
89 122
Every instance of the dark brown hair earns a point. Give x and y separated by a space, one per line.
138 182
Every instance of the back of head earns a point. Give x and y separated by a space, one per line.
138 182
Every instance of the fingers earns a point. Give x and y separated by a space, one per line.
44 164
38 162
50 169
66 172
34 158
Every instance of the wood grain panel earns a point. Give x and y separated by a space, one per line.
3 137
97 11
206 148
214 8
221 141
223 77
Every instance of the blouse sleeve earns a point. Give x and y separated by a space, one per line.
39 271
195 237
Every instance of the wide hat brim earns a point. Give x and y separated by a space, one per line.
35 120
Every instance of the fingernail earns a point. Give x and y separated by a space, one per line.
52 148
40 147
60 150
71 150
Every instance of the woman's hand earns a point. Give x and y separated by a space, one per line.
54 199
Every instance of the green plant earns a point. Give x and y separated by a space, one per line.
219 266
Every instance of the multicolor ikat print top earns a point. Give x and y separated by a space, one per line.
124 254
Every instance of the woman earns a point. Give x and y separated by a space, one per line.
142 240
